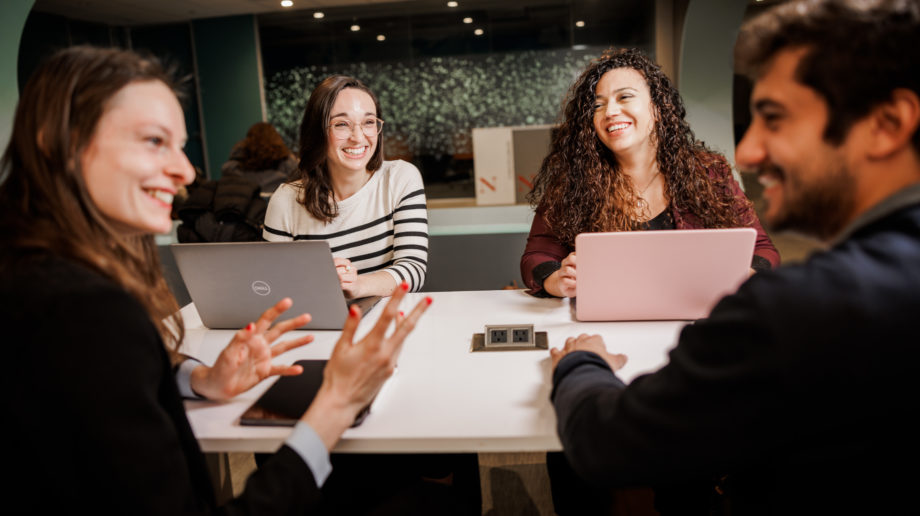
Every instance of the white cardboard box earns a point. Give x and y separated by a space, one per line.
506 160
493 165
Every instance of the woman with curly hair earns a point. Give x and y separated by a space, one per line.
624 159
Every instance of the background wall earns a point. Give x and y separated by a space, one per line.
431 104
229 78
13 15
707 70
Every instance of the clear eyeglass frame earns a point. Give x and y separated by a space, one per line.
343 128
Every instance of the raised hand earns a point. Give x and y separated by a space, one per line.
357 370
247 360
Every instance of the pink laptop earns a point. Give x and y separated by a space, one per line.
659 275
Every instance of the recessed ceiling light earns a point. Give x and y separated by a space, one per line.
580 23
355 28
286 3
381 37
452 4
318 14
467 20
478 32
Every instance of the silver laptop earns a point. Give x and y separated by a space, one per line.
232 283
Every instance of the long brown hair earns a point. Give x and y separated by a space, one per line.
313 172
580 183
44 203
262 148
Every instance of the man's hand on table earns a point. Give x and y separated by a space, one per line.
592 343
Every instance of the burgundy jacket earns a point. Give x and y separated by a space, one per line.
544 251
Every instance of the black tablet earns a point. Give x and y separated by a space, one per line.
286 401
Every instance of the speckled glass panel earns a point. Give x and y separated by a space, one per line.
431 105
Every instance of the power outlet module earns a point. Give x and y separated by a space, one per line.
509 334
509 337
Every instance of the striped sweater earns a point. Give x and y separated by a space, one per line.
384 226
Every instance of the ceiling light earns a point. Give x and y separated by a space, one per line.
381 37
580 23
286 3
452 4
467 20
355 28
318 14
478 32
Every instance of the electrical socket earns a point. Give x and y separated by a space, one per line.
509 335
498 336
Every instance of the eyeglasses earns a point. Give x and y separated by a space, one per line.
343 128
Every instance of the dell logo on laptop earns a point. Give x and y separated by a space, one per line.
261 288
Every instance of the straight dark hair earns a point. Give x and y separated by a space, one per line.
313 173
44 203
857 53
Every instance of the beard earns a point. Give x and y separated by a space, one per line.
819 207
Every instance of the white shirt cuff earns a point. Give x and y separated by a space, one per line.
311 449
184 378
303 440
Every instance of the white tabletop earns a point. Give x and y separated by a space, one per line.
443 398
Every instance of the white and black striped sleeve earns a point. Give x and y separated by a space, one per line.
410 238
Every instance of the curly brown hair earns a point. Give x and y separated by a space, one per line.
262 148
581 184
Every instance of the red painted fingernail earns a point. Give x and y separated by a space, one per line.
428 300
353 310
404 286
250 326
401 313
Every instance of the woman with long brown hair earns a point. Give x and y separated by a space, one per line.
93 395
371 211
624 159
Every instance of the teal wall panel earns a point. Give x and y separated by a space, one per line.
226 52
13 14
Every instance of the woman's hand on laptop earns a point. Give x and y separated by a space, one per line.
348 275
562 282
247 360
592 343
357 370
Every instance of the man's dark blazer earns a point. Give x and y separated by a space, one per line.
801 389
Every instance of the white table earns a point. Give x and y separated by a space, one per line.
443 398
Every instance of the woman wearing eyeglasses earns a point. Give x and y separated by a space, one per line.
372 212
